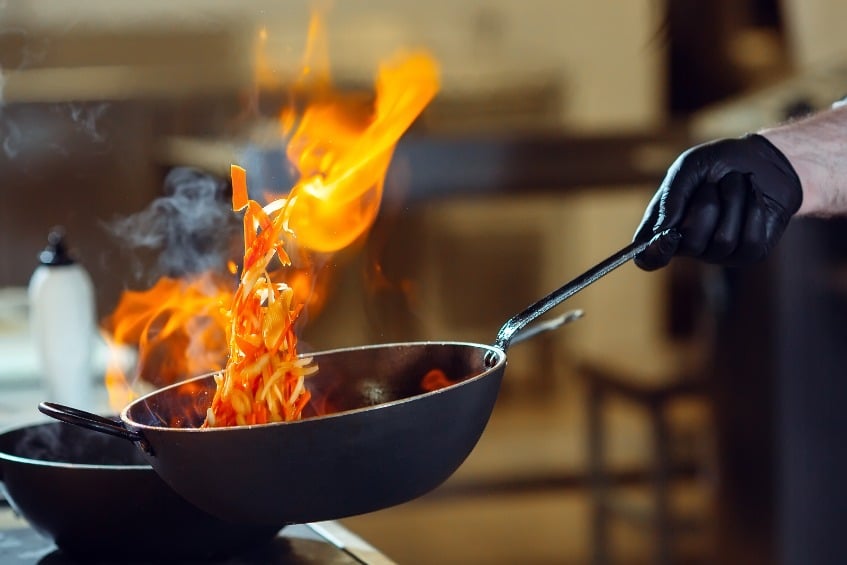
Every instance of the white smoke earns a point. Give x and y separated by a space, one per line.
86 116
192 227
25 51
3 5
11 134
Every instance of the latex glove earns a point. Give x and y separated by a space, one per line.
729 199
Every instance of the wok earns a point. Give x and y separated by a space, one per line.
97 498
382 440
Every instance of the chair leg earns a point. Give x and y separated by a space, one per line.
599 482
661 485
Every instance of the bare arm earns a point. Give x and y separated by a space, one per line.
817 149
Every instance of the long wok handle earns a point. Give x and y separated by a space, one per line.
88 420
518 321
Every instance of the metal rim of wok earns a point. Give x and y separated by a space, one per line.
132 430
498 363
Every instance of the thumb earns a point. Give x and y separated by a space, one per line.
660 251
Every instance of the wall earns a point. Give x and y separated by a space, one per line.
816 31
603 55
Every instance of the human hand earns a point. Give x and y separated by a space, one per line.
729 199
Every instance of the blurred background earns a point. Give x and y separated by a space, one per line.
656 429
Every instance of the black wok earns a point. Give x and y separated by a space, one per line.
384 440
96 497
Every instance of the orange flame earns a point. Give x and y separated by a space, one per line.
341 147
178 328
343 164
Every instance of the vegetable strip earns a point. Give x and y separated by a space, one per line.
263 380
239 187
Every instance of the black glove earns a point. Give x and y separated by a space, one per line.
729 199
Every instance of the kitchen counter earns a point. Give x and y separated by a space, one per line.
327 543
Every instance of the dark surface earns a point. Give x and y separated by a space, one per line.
742 384
810 351
779 392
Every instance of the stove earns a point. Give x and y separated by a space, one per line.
327 543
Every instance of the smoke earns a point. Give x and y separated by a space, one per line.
63 443
11 133
86 116
20 51
8 144
192 227
3 5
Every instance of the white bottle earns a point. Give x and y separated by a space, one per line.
62 311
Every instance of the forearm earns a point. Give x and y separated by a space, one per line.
817 149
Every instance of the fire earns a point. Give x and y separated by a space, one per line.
343 162
435 379
178 328
341 147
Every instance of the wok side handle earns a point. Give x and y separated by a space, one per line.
517 322
88 420
531 330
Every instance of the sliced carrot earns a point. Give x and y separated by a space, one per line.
261 335
239 186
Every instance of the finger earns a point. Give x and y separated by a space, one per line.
653 257
680 185
660 251
732 190
646 228
700 220
753 243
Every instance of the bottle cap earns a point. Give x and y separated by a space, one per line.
56 253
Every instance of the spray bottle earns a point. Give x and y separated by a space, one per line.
62 311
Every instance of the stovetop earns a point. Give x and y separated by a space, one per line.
326 543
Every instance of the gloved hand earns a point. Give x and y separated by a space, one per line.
729 199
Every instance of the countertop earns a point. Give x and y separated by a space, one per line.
327 543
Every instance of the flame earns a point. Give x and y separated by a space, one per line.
177 327
341 145
343 163
435 379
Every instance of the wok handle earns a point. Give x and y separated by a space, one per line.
517 322
531 330
90 421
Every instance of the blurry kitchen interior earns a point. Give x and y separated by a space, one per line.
643 433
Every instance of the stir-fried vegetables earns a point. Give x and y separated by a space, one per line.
264 379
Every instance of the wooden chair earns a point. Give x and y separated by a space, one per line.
655 397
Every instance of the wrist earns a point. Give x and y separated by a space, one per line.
792 148
815 147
